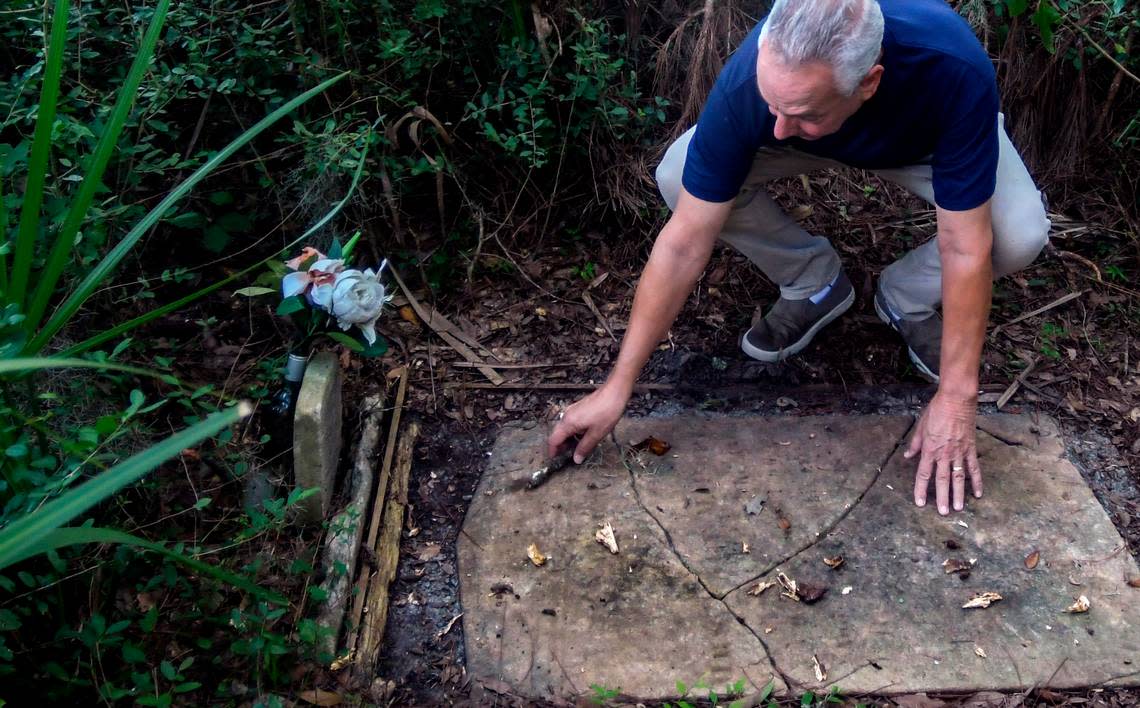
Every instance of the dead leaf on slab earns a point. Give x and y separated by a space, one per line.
1080 605
429 551
761 587
657 447
980 651
1032 559
784 524
983 599
800 592
317 697
535 555
820 672
957 565
1134 582
833 563
605 536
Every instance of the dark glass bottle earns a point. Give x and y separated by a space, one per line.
282 404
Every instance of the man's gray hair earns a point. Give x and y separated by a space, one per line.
847 35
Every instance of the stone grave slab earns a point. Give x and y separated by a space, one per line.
673 604
901 627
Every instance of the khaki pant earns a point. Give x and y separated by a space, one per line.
802 264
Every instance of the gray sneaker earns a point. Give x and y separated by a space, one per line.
790 325
923 337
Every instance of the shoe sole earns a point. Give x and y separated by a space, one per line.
922 368
797 346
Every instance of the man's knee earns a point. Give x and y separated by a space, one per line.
1019 236
671 168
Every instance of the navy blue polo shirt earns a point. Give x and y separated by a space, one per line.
937 102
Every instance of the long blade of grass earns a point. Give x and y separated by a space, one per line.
71 536
99 273
178 304
13 366
3 239
24 532
37 161
96 165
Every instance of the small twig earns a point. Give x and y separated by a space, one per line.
519 386
1044 308
597 313
1016 384
469 365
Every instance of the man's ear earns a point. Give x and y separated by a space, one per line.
870 83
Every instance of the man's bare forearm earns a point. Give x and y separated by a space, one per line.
967 285
673 269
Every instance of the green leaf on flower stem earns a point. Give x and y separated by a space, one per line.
377 348
291 304
342 338
336 250
254 291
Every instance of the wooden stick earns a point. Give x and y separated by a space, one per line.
387 551
378 498
469 365
1044 308
459 340
1015 384
517 386
597 313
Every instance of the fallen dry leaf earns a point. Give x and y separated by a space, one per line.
342 661
791 589
820 673
657 447
428 552
1134 582
1080 605
1032 559
744 547
605 536
833 563
317 697
761 587
980 651
963 524
983 599
535 555
957 565
408 314
846 589
784 524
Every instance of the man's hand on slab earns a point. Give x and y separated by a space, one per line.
946 445
590 419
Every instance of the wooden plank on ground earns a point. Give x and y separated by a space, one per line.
375 515
387 550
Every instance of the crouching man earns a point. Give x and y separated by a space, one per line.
899 87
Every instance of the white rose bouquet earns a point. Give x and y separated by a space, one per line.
319 290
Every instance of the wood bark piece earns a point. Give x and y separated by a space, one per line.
377 509
342 547
456 338
387 551
1016 384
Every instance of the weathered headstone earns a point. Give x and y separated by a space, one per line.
738 499
316 434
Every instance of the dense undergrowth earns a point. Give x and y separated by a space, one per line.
467 134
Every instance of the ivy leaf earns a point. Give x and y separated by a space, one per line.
1016 7
377 348
254 291
342 338
291 304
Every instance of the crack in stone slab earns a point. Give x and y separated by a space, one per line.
681 559
835 524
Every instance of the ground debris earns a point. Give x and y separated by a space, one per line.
1080 605
980 651
818 668
833 562
536 556
1032 559
657 447
957 565
981 600
761 586
605 536
800 592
